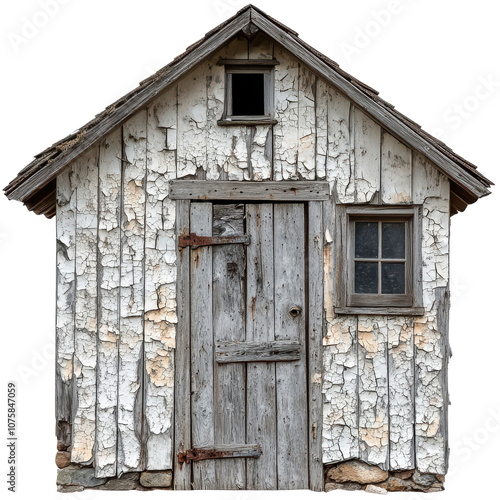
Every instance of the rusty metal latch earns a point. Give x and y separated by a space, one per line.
194 241
223 451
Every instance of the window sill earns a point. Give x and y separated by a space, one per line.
382 311
258 121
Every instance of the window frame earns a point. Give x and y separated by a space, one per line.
408 303
268 117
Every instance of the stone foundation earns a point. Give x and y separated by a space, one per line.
73 477
354 475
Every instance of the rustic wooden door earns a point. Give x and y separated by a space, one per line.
249 396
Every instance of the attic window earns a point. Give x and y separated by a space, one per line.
249 95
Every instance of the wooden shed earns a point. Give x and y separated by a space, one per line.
252 277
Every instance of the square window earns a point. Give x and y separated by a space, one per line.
380 249
249 95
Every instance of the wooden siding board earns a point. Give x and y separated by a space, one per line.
401 393
65 300
228 267
160 273
182 386
285 142
131 346
321 112
291 377
86 169
202 364
109 197
315 335
373 390
306 148
261 377
396 171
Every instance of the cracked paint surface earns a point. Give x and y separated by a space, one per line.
384 379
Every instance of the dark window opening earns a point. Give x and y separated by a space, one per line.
248 94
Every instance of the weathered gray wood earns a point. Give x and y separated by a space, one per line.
395 172
291 377
261 385
248 62
306 148
202 364
85 359
131 346
295 191
182 387
49 172
108 290
242 352
228 451
65 297
377 111
386 311
315 337
229 325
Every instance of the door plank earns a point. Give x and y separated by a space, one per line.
229 324
241 352
261 390
202 373
291 387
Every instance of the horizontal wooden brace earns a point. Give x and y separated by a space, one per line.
220 451
291 191
243 352
384 311
194 241
248 62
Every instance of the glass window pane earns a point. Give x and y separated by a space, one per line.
393 240
366 240
248 94
366 277
393 277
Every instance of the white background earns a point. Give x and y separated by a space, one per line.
429 58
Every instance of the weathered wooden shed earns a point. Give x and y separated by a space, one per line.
252 276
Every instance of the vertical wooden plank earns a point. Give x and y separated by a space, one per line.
260 47
367 137
86 169
131 348
315 334
431 188
321 110
182 422
192 124
65 296
340 352
229 324
373 390
108 289
339 157
261 385
401 393
285 142
395 171
306 154
202 368
291 377
160 272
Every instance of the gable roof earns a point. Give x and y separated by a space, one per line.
35 184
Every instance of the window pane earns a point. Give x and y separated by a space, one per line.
366 240
393 277
248 94
366 277
393 240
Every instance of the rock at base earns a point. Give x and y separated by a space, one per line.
63 459
78 477
156 479
357 472
371 488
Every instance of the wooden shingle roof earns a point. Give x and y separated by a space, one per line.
35 184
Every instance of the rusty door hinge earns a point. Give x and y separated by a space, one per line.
224 451
194 241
